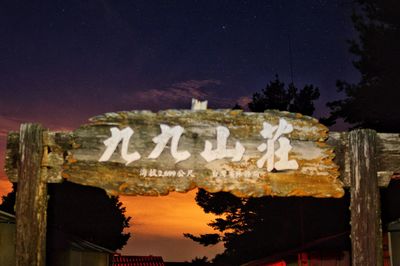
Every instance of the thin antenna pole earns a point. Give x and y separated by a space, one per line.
290 58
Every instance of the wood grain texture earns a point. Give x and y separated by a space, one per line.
387 157
75 155
60 157
31 201
317 175
366 229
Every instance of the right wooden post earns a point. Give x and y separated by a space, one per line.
366 229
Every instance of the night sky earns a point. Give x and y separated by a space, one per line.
62 62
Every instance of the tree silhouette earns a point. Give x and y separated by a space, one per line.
8 201
276 96
256 227
373 101
84 212
200 261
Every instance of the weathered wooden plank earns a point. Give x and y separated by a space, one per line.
55 149
339 140
316 176
12 156
388 162
366 230
387 156
31 202
59 145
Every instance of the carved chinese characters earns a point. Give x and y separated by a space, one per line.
111 143
247 154
221 151
161 140
173 134
284 147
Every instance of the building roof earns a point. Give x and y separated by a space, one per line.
394 226
138 261
83 245
6 217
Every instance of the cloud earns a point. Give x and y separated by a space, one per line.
244 101
176 96
179 95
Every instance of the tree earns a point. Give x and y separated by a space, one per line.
200 261
84 212
256 227
276 96
373 101
8 201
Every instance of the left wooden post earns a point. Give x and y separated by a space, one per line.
31 202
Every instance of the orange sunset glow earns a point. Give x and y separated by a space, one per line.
158 224
5 187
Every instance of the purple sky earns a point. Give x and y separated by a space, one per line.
62 62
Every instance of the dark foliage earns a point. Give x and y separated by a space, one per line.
257 227
276 96
390 202
237 107
8 202
200 261
373 101
205 240
84 212
89 213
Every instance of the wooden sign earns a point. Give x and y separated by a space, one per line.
146 153
247 154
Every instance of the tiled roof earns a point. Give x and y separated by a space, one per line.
138 261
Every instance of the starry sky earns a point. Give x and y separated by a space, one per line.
62 62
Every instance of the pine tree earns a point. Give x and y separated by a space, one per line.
373 101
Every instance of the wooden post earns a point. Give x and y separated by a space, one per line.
366 230
31 202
